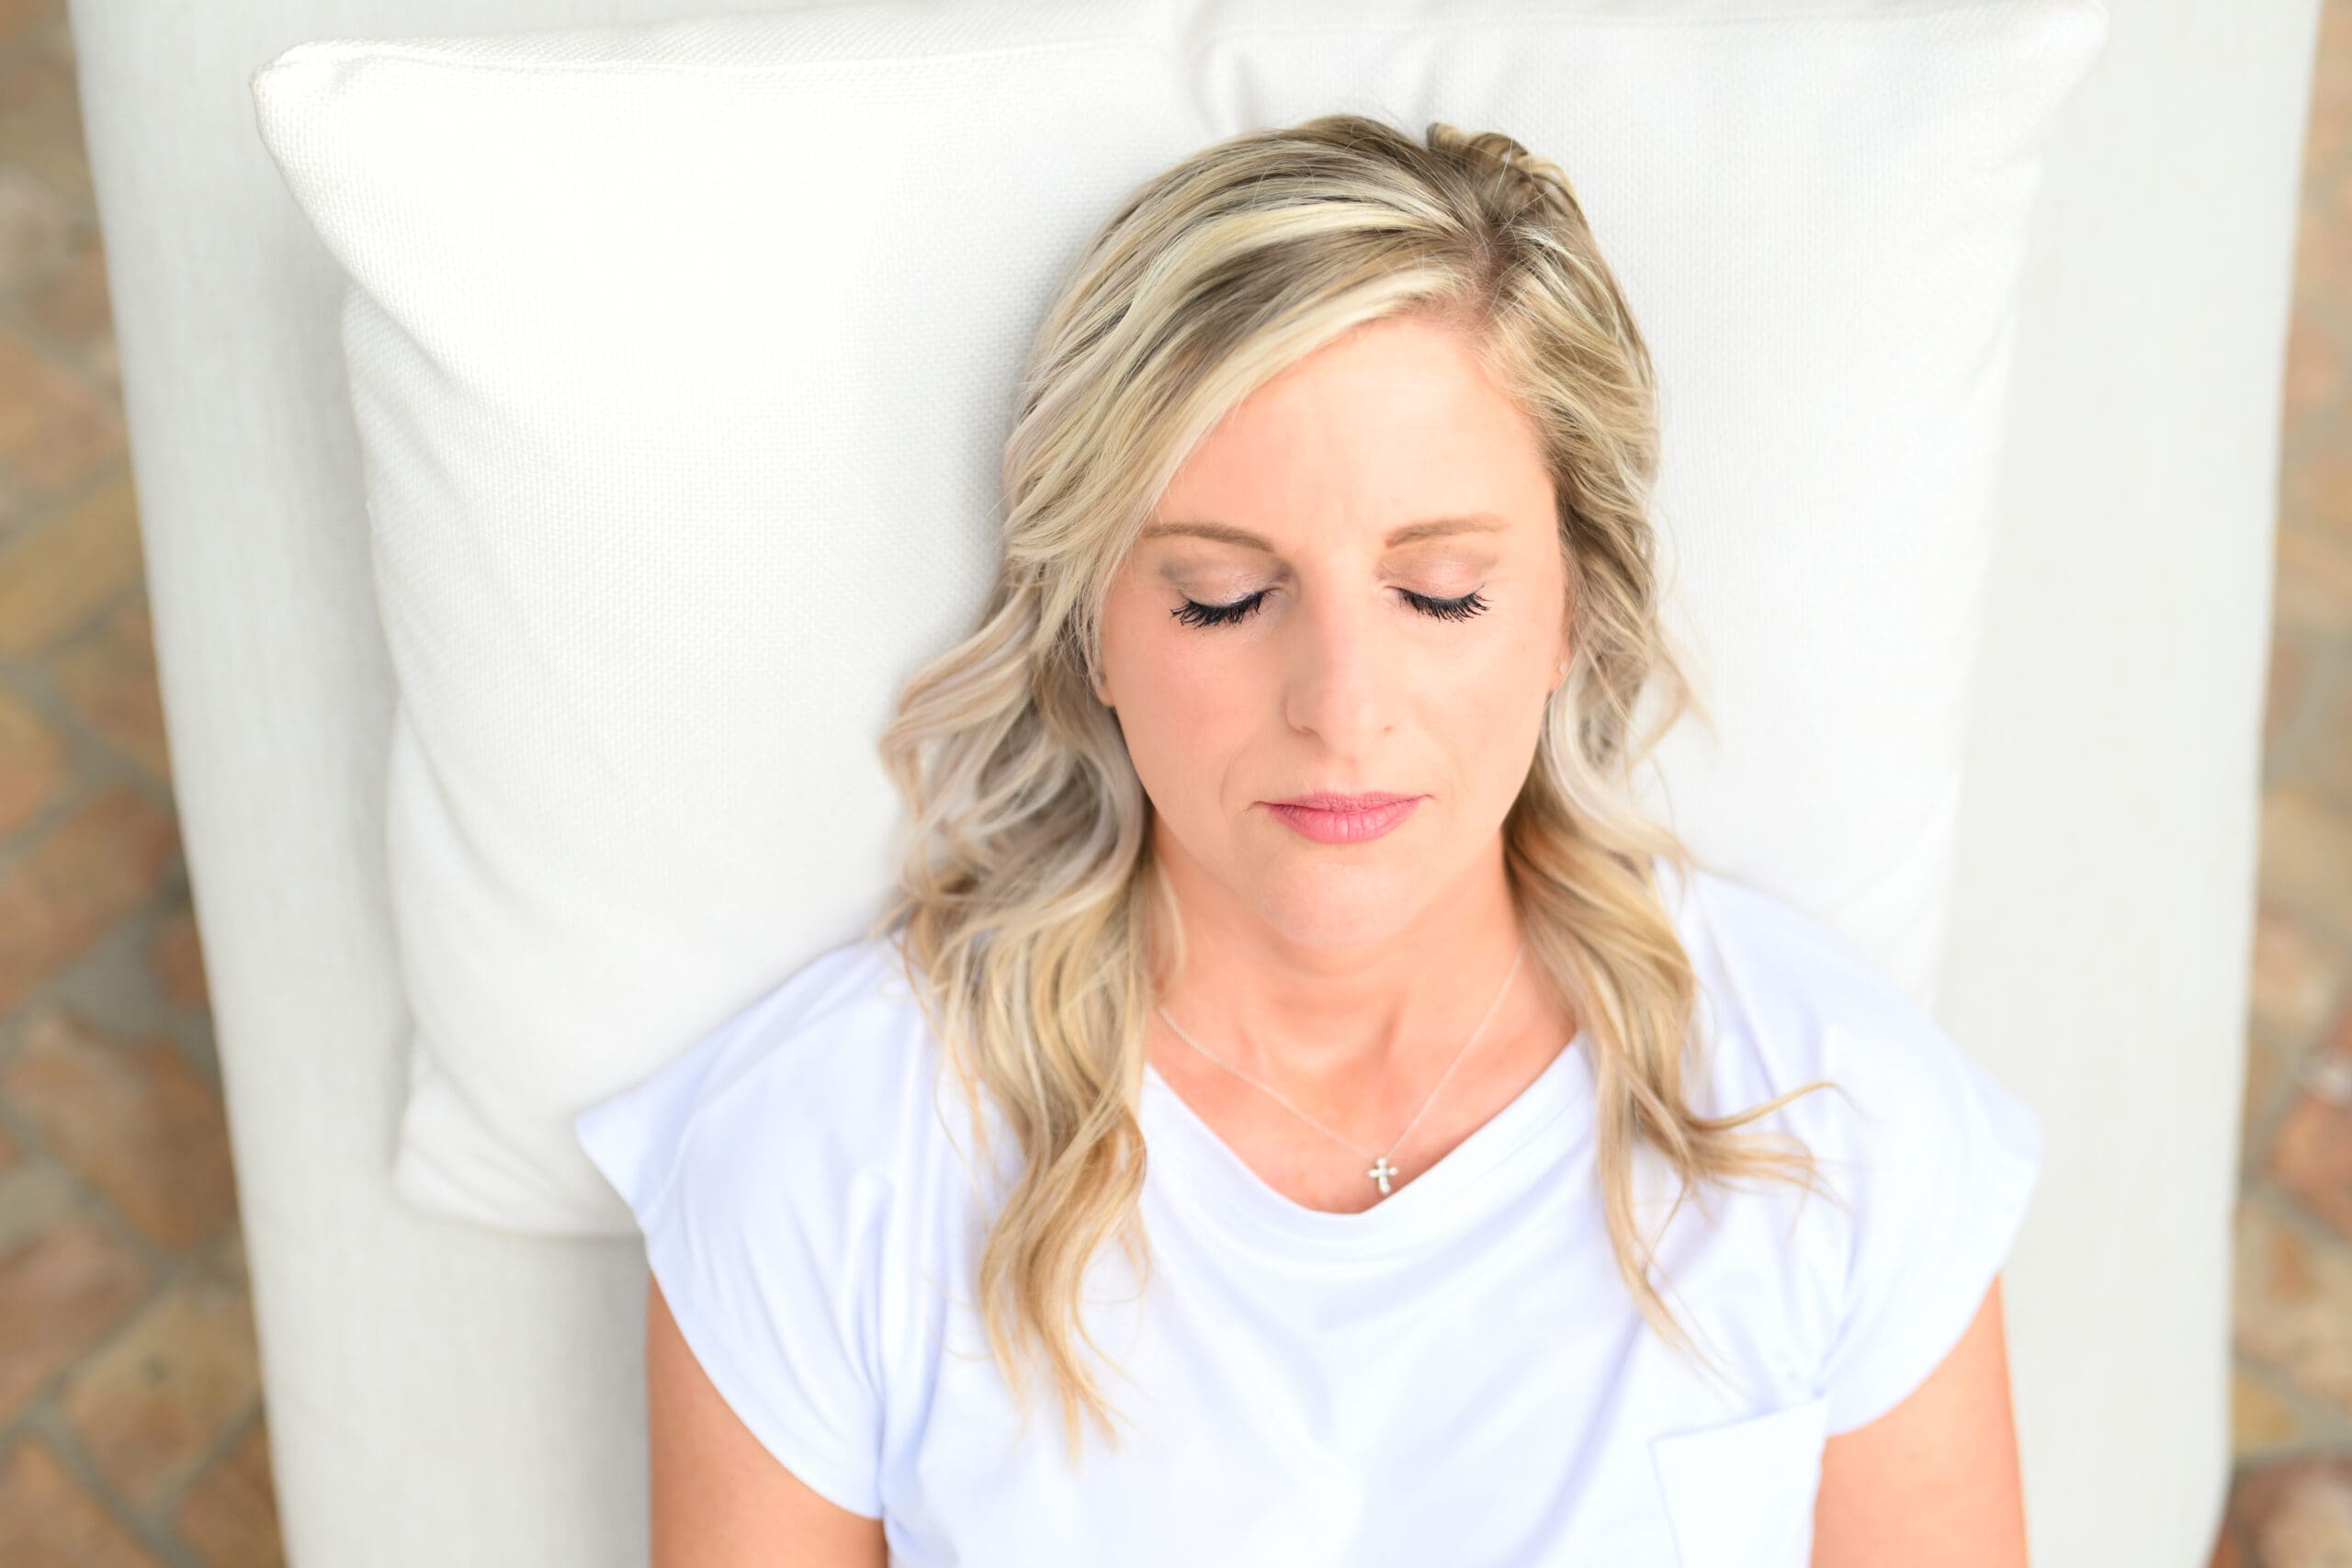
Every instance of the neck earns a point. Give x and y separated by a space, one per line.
1323 1009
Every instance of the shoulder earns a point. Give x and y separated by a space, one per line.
826 1075
1911 1125
1934 1160
769 1164
1788 1000
1803 986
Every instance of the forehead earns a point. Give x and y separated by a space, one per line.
1394 434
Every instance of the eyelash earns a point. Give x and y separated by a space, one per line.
1460 609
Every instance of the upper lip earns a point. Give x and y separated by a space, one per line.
1324 800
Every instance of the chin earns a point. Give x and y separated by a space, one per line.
1334 906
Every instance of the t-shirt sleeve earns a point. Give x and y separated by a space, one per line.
1940 1162
766 1246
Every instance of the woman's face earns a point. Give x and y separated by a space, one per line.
1352 585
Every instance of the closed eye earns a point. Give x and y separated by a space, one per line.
1460 609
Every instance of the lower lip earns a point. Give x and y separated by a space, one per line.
1345 827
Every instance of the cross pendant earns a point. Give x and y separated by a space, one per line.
1381 1171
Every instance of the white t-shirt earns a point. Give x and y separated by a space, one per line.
1454 1375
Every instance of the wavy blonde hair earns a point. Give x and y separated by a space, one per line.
1024 892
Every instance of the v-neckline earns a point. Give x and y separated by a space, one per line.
1438 1201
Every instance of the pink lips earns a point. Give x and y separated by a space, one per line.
1343 818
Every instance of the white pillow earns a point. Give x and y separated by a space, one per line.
680 357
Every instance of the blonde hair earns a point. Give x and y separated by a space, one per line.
1025 882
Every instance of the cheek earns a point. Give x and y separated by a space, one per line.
1182 705
1489 719
1176 700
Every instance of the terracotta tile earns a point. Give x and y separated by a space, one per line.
2311 1160
2328 132
176 955
72 308
2267 1068
36 1193
2295 973
2313 593
2261 1420
108 677
38 231
2314 377
20 19
60 1294
56 575
103 859
2315 489
162 1393
101 361
2292 1305
40 122
229 1516
54 37
2311 1153
34 765
135 1122
2323 234
47 1521
58 430
2306 857
2327 758
2295 1513
2226 1551
73 304
2285 681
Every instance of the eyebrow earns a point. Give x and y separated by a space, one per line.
1411 532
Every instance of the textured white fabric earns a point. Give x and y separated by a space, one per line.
680 358
1455 1375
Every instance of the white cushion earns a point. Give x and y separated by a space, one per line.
681 357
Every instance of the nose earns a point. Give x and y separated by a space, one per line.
1339 663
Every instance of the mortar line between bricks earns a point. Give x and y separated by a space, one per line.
65 1447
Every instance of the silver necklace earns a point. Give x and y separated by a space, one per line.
1382 1169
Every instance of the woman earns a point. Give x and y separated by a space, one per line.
1277 909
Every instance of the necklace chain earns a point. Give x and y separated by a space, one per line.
1382 1169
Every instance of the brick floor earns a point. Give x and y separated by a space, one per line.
2290 1506
130 1420
131 1423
